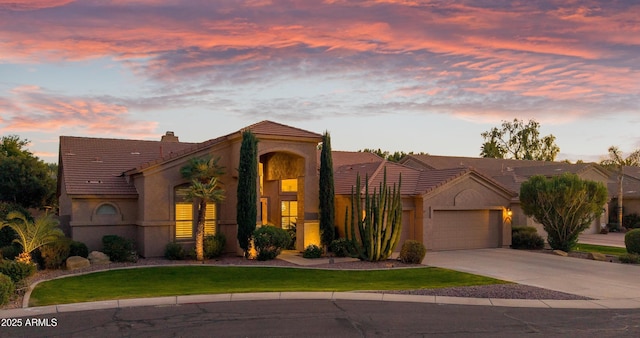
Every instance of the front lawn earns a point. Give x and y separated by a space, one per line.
605 250
192 280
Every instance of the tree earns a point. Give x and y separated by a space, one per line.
24 179
565 206
326 193
205 188
247 210
617 162
519 141
396 156
32 234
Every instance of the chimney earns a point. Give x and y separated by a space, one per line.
169 137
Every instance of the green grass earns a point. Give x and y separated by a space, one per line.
606 250
190 280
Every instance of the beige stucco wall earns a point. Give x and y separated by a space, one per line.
465 193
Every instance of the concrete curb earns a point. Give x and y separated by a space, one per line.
330 296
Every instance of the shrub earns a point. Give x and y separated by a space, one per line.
629 258
312 251
342 247
119 249
174 251
16 271
292 234
55 253
631 221
214 245
10 252
632 241
6 288
412 252
78 249
523 237
269 242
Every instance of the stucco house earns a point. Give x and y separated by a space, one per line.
134 189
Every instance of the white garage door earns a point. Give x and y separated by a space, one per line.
466 229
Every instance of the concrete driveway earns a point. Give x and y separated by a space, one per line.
598 280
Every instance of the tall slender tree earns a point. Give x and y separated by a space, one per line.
205 188
327 192
247 210
618 162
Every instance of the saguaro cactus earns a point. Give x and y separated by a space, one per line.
376 229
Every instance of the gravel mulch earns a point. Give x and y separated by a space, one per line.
504 291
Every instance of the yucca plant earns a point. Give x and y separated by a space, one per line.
32 234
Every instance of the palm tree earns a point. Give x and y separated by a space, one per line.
616 161
205 188
32 234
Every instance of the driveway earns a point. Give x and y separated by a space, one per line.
598 280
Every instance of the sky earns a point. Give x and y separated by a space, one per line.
400 75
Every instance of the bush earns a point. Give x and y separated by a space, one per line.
269 242
523 237
292 234
16 271
631 221
174 251
10 252
214 245
6 288
412 252
632 241
78 249
342 247
629 258
312 251
119 249
55 253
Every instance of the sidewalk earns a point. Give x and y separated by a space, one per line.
611 239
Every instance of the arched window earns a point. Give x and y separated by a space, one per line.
106 209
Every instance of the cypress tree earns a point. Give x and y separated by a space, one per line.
247 211
327 192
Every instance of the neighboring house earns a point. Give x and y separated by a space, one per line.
448 209
511 174
134 188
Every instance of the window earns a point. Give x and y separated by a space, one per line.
186 216
289 214
290 185
106 209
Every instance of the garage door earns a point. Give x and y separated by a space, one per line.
466 229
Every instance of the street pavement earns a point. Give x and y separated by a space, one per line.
330 318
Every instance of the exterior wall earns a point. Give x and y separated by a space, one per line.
88 227
465 193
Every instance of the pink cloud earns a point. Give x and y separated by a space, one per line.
38 110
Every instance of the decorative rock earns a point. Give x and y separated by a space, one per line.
77 262
97 257
560 253
597 256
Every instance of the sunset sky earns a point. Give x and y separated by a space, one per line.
410 75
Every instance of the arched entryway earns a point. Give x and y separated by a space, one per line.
281 189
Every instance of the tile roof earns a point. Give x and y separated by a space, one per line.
414 181
95 165
277 129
